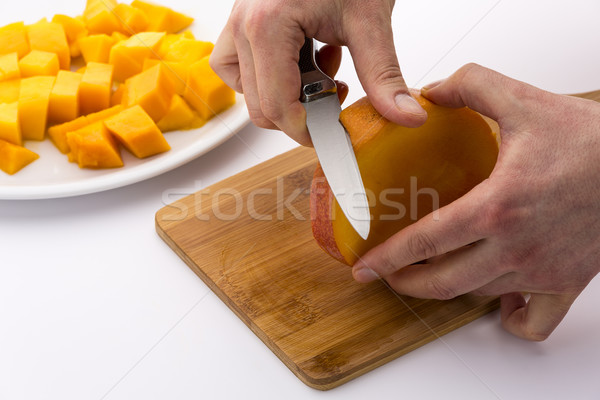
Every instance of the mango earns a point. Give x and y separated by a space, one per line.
13 38
180 116
9 67
96 48
94 147
188 50
13 158
163 19
133 20
74 30
9 90
128 56
136 131
95 88
175 70
50 37
64 98
206 92
99 16
58 133
38 63
152 90
10 129
34 97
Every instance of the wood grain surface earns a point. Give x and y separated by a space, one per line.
249 239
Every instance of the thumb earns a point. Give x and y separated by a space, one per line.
377 67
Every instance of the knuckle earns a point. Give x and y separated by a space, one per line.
439 289
258 19
258 119
271 109
420 246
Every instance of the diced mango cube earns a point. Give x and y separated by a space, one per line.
34 97
96 48
94 147
58 133
39 62
99 16
152 90
64 98
119 37
188 50
128 56
9 67
133 20
13 158
74 27
163 19
50 37
95 88
10 129
13 38
179 116
9 91
175 70
136 131
117 96
206 92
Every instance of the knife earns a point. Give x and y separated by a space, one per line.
331 141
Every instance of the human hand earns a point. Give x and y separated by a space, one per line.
258 51
533 226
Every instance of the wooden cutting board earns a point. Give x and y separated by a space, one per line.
249 239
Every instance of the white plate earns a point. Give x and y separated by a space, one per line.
52 175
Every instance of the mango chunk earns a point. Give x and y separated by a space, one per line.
133 20
64 98
34 97
74 29
175 70
39 62
188 50
206 92
13 158
139 134
96 48
94 147
10 129
9 67
128 56
170 39
9 91
117 96
58 133
50 37
95 88
99 16
13 38
163 19
152 90
180 116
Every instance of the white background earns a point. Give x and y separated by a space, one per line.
93 305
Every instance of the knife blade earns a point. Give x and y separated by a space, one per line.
331 141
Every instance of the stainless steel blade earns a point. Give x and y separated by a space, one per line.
338 161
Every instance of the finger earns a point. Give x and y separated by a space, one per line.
329 59
444 230
480 89
224 60
536 318
278 80
377 67
457 273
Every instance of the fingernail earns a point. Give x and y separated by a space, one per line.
432 84
408 104
364 274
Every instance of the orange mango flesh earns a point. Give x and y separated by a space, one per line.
96 48
50 37
10 129
13 158
95 88
404 170
94 147
137 132
64 98
151 89
9 90
133 20
163 19
99 16
180 116
13 38
39 63
206 92
128 56
176 71
9 67
34 97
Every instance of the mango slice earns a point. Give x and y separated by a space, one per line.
175 70
96 48
10 129
9 67
180 116
74 29
152 90
34 97
128 56
206 92
13 38
99 16
50 37
163 19
188 50
94 147
9 91
64 98
133 20
39 63
139 134
13 158
95 88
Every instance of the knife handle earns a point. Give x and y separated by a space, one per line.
315 83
